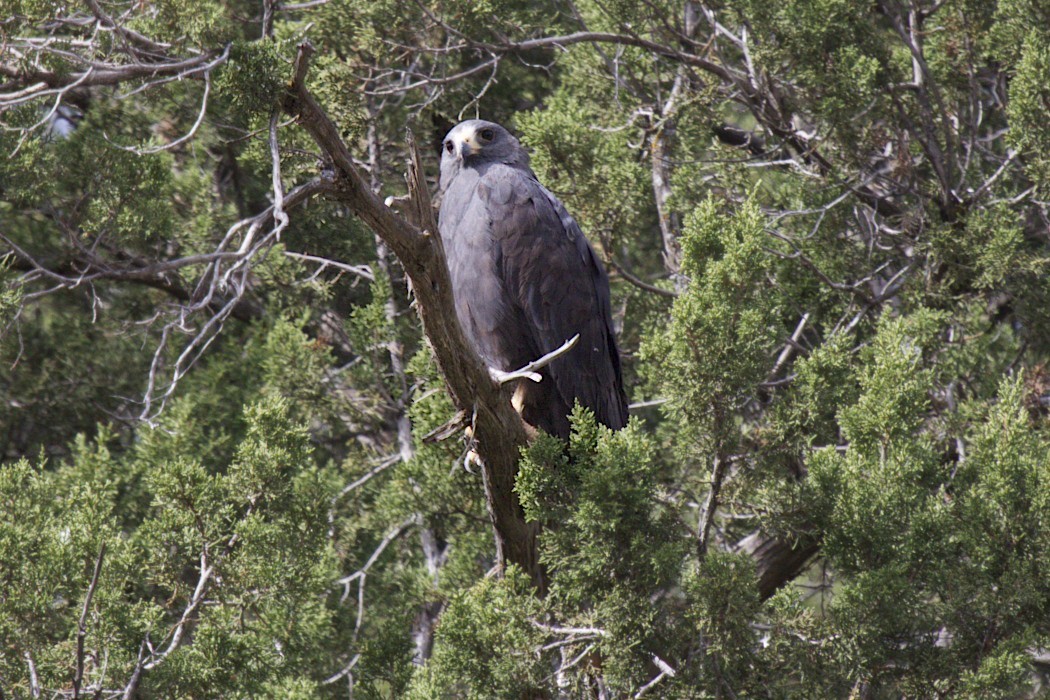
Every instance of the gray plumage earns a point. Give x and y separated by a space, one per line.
525 279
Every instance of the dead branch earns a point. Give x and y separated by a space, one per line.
363 271
665 670
530 371
777 561
34 680
718 472
38 82
82 625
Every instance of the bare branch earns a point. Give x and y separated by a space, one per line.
111 74
129 35
778 561
363 271
396 532
708 513
82 624
556 629
269 9
576 659
789 347
372 473
665 670
185 137
530 371
361 576
560 42
34 680
279 214
296 7
178 633
640 283
344 672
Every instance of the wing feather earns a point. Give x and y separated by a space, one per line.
550 272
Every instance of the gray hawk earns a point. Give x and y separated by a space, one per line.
525 279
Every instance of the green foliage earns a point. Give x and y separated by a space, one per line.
884 510
894 386
613 545
252 80
834 49
594 171
601 492
486 643
1003 674
202 24
721 595
823 386
1016 21
990 254
105 191
10 296
1027 107
841 209
725 323
258 530
343 106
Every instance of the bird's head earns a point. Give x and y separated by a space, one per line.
477 141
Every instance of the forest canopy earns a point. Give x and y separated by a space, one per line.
239 418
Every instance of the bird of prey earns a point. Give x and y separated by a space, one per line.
525 279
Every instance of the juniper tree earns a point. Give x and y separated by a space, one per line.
234 391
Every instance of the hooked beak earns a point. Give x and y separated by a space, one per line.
468 147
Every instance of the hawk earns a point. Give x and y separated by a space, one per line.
525 279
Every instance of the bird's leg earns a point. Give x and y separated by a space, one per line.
517 400
528 372
471 456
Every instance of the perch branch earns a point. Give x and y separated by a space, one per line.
498 429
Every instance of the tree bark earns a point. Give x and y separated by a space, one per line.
777 561
498 429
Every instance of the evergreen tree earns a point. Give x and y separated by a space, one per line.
234 391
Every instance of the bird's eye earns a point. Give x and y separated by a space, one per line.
487 134
448 146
